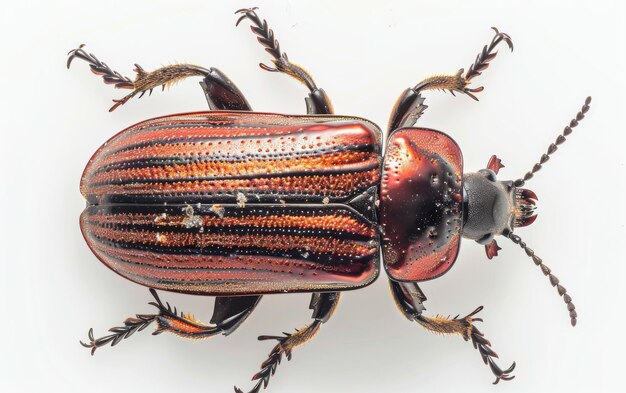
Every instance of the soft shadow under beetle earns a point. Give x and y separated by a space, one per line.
237 204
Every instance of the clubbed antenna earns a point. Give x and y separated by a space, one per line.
547 272
554 146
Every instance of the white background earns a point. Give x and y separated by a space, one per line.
364 54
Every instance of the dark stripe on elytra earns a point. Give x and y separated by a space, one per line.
170 141
223 251
240 229
223 197
221 157
234 211
229 210
299 173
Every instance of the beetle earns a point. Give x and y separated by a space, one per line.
237 204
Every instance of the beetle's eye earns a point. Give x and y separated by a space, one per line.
489 174
484 239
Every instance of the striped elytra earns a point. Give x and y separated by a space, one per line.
218 203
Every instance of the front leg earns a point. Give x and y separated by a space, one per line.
410 298
410 105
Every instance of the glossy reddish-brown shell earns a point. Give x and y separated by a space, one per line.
228 203
421 203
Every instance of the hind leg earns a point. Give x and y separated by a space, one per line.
221 93
323 306
226 318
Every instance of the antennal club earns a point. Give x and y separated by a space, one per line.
547 272
554 146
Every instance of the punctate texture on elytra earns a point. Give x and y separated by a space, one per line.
233 203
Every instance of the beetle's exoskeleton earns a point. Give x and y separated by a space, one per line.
238 204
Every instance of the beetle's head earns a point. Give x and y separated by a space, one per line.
493 207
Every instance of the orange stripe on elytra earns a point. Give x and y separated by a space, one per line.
317 245
338 221
287 143
216 167
346 133
333 185
204 131
212 275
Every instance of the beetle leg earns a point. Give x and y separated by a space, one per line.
323 306
229 96
228 314
183 324
410 105
222 94
409 299
317 101
168 320
230 311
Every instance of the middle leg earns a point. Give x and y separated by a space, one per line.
317 102
323 306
